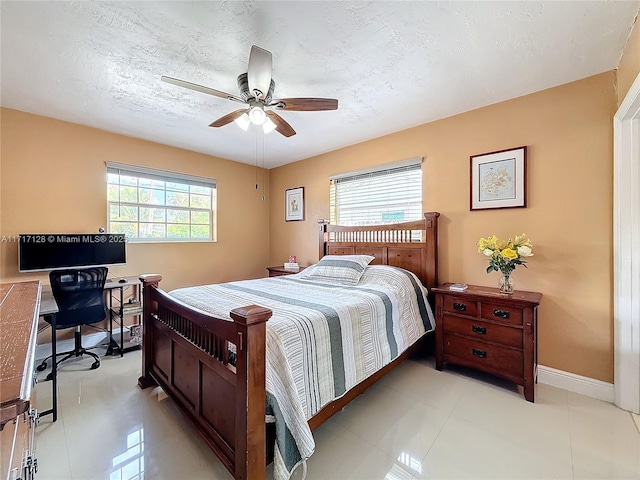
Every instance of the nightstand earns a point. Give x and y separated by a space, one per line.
280 271
490 331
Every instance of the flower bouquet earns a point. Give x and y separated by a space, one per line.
505 256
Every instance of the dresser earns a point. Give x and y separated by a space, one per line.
19 310
490 331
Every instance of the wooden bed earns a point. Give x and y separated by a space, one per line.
185 351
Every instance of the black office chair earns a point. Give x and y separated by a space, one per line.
79 294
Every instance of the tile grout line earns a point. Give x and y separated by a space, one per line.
467 384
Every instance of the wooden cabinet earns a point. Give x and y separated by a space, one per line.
490 331
280 271
19 310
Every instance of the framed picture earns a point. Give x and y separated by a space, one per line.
499 179
294 204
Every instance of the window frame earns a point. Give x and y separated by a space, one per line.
167 177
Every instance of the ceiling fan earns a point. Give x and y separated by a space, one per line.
256 89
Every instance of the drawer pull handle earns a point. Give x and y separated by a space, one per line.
460 307
479 353
501 313
480 330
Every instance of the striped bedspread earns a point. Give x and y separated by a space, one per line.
323 339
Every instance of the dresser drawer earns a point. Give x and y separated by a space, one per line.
501 313
508 336
278 274
503 361
460 305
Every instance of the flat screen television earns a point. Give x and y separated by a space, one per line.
56 251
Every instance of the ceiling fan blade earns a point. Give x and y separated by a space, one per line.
200 88
228 118
281 125
305 104
259 71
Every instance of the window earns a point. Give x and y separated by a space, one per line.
151 205
387 194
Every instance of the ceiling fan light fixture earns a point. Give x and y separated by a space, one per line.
243 121
268 126
257 115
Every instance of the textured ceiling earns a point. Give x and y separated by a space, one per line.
391 65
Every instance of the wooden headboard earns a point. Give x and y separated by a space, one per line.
410 245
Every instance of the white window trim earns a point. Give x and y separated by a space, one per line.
166 175
362 174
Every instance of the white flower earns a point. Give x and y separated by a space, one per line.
524 251
487 252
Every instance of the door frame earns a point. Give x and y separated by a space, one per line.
626 250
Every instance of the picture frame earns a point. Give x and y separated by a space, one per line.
499 179
294 204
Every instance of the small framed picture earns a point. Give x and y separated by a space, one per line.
499 179
294 204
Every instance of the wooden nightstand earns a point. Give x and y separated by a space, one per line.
491 331
280 271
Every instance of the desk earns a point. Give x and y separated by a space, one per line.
119 309
48 307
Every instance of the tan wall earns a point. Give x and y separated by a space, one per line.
53 179
568 133
629 67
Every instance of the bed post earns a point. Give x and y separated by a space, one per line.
431 232
149 281
322 237
250 447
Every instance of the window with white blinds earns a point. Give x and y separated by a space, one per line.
387 194
153 205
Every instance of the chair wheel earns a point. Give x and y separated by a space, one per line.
95 364
42 367
49 377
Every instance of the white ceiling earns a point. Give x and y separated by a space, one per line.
391 65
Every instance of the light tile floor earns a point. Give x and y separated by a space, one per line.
416 423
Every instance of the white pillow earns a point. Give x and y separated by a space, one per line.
344 269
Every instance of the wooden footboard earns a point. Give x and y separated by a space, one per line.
186 352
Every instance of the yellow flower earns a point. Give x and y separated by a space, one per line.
509 253
521 239
505 255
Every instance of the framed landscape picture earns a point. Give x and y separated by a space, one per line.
498 179
294 204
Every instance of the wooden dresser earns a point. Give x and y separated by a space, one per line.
490 331
19 310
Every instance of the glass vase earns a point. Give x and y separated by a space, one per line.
506 284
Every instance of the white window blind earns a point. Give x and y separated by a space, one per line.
154 205
388 194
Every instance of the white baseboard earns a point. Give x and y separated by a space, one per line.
576 383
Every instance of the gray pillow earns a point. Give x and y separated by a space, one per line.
344 269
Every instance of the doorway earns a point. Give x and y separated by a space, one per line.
626 250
